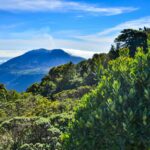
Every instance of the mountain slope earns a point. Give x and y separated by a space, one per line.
32 66
3 59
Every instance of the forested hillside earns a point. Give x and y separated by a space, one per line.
98 104
72 77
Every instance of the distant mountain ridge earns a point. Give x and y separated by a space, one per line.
4 59
20 72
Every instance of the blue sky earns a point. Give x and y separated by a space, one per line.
81 27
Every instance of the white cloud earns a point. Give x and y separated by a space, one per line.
107 36
20 42
81 45
17 47
135 24
11 53
25 44
81 53
60 5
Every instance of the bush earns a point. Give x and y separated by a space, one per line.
32 133
115 115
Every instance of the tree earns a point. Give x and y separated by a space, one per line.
132 39
113 53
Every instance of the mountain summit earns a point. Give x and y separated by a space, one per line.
32 66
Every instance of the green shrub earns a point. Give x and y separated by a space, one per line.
117 114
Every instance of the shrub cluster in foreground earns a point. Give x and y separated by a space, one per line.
116 115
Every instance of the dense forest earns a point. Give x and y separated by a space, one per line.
102 103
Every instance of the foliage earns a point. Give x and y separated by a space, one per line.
72 94
70 77
32 133
131 39
32 121
116 114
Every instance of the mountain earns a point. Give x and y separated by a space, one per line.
3 59
20 72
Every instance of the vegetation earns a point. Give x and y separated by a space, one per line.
116 114
101 103
131 39
32 122
70 76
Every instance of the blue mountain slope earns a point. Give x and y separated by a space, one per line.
3 59
22 71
